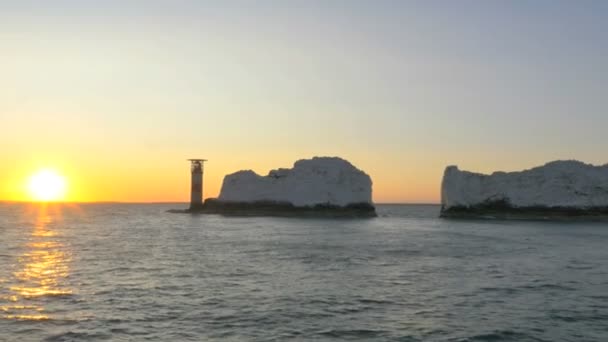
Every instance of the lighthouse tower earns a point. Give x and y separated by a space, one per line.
196 194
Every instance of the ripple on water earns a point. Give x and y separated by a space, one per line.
138 273
77 336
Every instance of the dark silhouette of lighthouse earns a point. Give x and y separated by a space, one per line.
196 194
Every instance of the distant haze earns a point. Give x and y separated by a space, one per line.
117 94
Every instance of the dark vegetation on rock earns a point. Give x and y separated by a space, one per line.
283 209
502 209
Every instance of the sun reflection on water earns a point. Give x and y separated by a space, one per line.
41 271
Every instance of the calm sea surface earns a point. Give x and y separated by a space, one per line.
126 272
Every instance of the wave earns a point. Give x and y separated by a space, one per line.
352 333
501 335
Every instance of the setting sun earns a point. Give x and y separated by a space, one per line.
47 185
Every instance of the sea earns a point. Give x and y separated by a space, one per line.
134 272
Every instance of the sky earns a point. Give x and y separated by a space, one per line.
116 95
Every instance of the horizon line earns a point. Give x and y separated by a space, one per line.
176 202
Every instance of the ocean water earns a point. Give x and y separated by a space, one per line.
127 272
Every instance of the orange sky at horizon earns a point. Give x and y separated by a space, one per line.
166 178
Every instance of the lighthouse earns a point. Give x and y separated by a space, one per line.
196 194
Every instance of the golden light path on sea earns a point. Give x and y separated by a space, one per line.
41 270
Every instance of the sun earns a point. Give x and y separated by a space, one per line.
47 185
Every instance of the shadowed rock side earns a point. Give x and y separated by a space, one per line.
317 187
561 190
285 209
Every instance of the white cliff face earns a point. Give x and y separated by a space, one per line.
568 184
321 180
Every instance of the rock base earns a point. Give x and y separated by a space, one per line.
503 211
281 209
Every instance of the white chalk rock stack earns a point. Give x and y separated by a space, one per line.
317 181
559 184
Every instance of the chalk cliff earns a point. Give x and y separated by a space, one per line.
320 183
564 188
